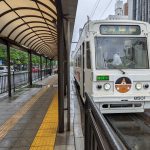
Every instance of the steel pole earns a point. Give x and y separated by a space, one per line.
41 67
30 68
60 31
65 70
68 73
9 71
46 66
50 66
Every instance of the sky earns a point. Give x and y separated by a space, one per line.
86 8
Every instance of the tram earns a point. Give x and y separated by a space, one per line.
111 64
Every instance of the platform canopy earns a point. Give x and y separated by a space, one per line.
31 24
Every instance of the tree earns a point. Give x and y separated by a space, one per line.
3 53
35 60
19 57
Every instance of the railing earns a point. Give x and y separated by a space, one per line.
20 78
98 133
3 83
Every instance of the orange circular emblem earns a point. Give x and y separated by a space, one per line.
123 85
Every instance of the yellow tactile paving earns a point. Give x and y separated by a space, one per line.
42 148
10 123
45 137
45 133
43 141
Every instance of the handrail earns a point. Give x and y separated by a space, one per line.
103 135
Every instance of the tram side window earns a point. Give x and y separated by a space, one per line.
76 62
79 57
88 55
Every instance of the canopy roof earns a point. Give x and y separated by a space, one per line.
31 24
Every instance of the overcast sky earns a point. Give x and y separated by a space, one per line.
86 8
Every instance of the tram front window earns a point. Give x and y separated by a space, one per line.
121 53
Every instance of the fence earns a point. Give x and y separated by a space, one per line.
98 133
20 78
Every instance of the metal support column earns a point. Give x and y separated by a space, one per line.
52 61
41 67
30 68
65 70
9 70
60 31
46 71
50 66
68 74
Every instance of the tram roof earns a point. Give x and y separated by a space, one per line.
33 23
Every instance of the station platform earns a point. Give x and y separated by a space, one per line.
29 119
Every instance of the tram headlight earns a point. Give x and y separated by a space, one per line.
107 86
138 86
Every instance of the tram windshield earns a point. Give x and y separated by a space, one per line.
121 53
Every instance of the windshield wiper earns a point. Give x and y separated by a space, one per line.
123 72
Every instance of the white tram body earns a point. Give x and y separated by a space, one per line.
112 64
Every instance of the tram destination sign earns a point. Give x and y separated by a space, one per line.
120 30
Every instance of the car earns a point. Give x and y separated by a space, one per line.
4 69
55 70
35 69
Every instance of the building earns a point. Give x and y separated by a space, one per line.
125 9
119 8
120 11
139 10
116 17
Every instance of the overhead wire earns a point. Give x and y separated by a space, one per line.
94 8
92 13
106 8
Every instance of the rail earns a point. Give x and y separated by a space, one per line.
19 79
98 133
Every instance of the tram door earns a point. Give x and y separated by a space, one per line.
88 78
83 70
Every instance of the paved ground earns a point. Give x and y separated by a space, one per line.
22 115
74 139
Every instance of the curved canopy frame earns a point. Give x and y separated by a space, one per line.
39 41
35 27
30 23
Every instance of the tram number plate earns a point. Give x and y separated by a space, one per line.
139 98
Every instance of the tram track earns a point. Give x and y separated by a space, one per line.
132 129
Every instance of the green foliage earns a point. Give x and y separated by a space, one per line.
43 61
3 52
35 59
18 57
